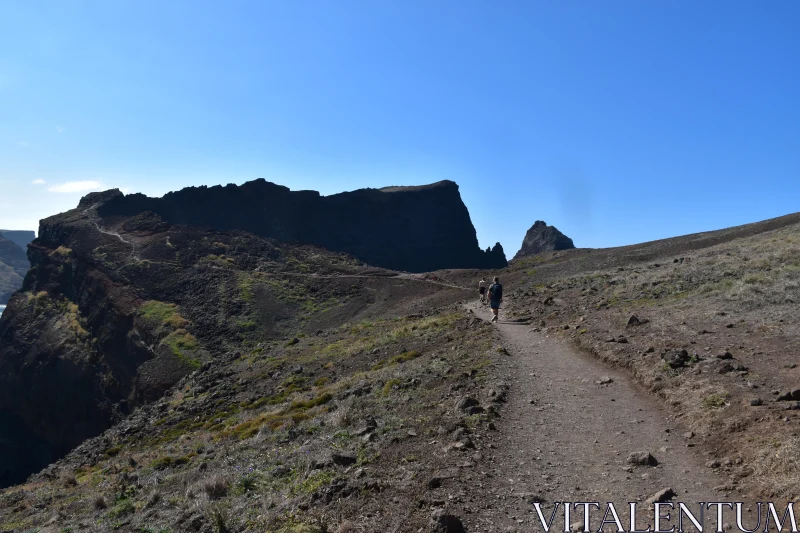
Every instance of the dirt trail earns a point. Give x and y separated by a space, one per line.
565 437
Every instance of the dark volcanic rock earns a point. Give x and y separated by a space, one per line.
416 229
676 358
543 238
444 522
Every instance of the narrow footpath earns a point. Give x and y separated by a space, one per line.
566 433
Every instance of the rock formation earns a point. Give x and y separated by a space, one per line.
415 229
543 238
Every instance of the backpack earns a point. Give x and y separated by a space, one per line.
496 291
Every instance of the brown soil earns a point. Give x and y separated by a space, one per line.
564 436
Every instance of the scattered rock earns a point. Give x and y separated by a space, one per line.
434 483
634 321
605 380
726 355
343 459
531 497
676 358
467 405
688 435
755 402
789 396
661 496
642 458
458 434
444 522
726 368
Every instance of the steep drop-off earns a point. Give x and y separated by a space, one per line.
414 229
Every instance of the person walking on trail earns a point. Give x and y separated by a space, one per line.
482 289
495 298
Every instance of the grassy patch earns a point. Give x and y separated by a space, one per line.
398 359
113 451
715 401
387 388
315 481
161 313
180 343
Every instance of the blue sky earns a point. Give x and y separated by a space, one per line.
616 121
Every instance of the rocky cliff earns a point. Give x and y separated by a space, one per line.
543 238
415 229
128 295
13 265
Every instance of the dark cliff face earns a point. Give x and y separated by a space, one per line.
415 229
13 265
543 238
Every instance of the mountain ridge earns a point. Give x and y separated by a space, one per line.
414 229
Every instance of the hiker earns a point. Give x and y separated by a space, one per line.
495 298
482 289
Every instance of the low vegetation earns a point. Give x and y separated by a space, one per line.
293 427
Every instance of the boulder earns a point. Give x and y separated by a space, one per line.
676 358
443 522
642 459
662 496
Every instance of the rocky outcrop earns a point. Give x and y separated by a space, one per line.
415 229
543 238
13 265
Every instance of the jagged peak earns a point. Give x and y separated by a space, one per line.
543 238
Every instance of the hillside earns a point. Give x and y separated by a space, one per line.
13 266
21 238
184 378
415 229
707 323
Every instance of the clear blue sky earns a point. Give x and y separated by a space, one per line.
617 121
